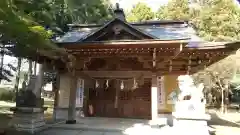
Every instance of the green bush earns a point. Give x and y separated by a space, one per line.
8 95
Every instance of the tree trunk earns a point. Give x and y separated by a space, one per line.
2 59
222 94
29 70
226 97
18 75
222 102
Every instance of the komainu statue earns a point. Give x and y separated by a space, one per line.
26 97
190 98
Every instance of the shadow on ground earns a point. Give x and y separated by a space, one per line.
216 120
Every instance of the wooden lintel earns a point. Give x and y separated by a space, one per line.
116 74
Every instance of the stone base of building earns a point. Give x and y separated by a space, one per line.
27 119
62 113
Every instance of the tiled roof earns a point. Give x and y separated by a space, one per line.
159 32
76 35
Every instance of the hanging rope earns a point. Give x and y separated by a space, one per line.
126 84
135 84
122 85
107 83
96 84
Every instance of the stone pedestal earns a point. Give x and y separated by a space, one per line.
27 119
190 123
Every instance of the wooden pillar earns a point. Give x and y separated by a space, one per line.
56 86
154 98
154 89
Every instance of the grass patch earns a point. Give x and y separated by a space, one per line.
7 95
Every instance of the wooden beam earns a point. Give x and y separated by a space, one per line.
126 74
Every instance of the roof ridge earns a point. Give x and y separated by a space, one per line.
151 22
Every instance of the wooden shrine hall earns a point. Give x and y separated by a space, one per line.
127 70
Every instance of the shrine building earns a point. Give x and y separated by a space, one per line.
129 69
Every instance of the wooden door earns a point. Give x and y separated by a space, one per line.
131 103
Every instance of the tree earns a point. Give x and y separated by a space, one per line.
90 11
140 12
214 20
61 16
217 79
23 29
219 20
174 10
